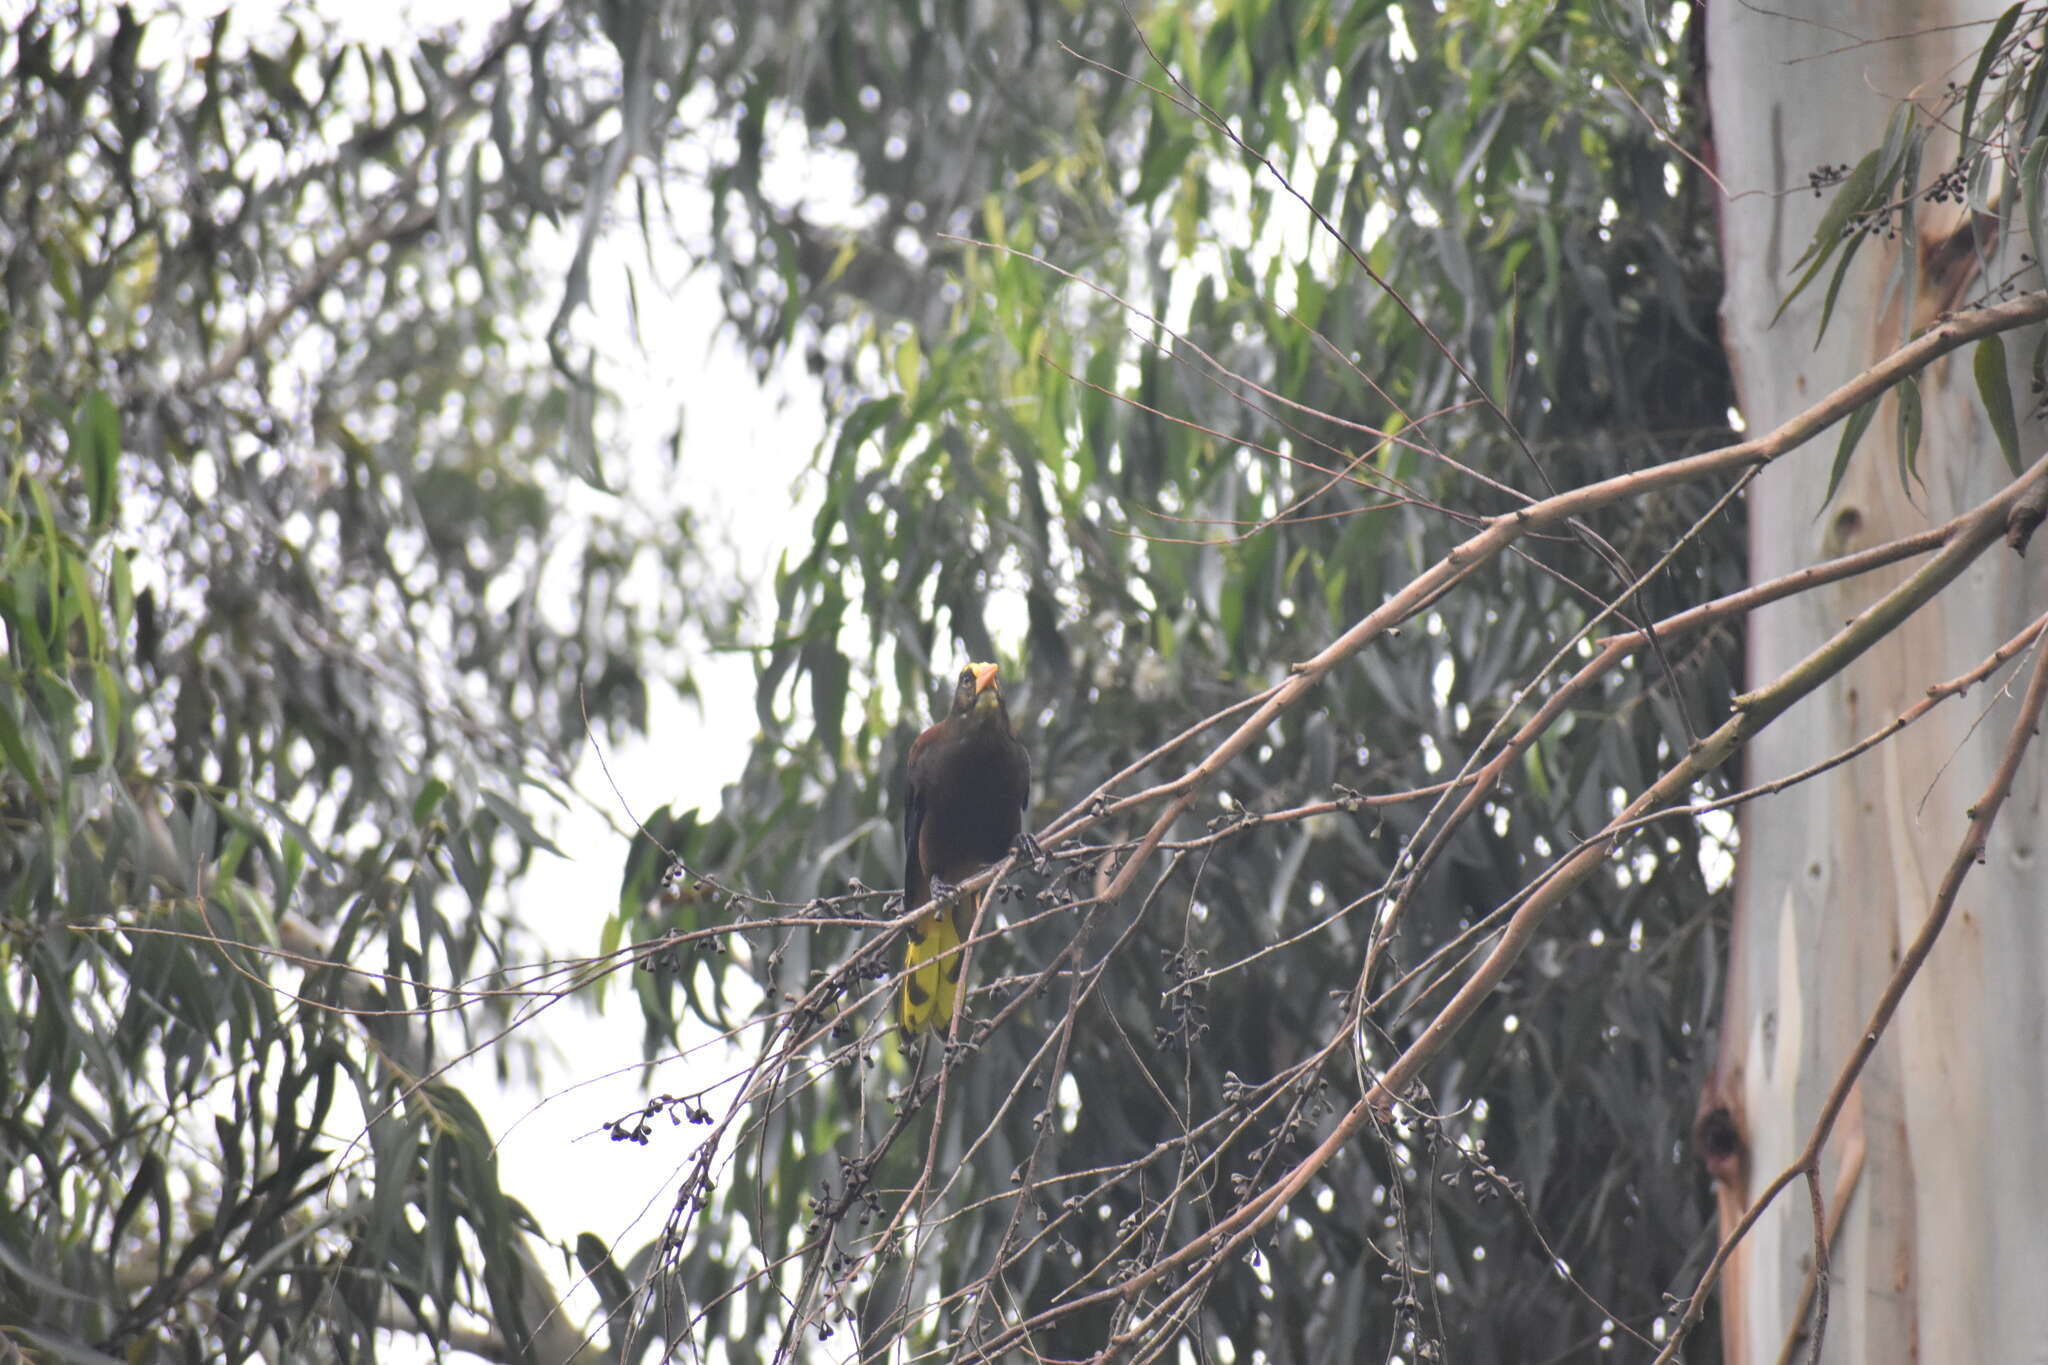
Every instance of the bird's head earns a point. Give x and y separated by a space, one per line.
979 692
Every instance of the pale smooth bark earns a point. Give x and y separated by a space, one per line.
1943 1245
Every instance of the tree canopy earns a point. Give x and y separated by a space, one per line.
1170 435
1168 355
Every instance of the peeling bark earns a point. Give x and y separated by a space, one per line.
1933 1176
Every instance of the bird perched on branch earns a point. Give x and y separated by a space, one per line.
964 792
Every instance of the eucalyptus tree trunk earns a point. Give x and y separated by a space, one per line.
1934 1172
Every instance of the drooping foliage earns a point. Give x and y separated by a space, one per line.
1153 436
297 643
300 631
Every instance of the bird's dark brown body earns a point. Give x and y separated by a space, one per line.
965 789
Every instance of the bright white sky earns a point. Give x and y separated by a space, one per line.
744 453
745 448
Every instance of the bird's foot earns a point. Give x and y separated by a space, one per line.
942 890
1031 852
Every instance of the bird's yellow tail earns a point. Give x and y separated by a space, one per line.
931 967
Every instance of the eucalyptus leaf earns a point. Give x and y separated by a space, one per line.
1994 390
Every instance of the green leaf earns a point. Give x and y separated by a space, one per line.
1907 276
52 541
830 673
428 800
1827 307
1850 198
15 751
67 1349
1996 391
294 856
2031 194
1868 189
395 1145
1230 608
519 822
909 367
610 937
30 1274
1986 58
96 449
462 858
80 604
121 592
610 1282
292 826
1852 432
1909 435
1898 136
61 277
1538 776
109 710
148 1183
863 422
1165 159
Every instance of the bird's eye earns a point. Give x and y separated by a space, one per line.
966 676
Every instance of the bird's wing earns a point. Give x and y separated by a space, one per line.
916 880
1020 792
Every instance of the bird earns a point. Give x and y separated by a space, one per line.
965 787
